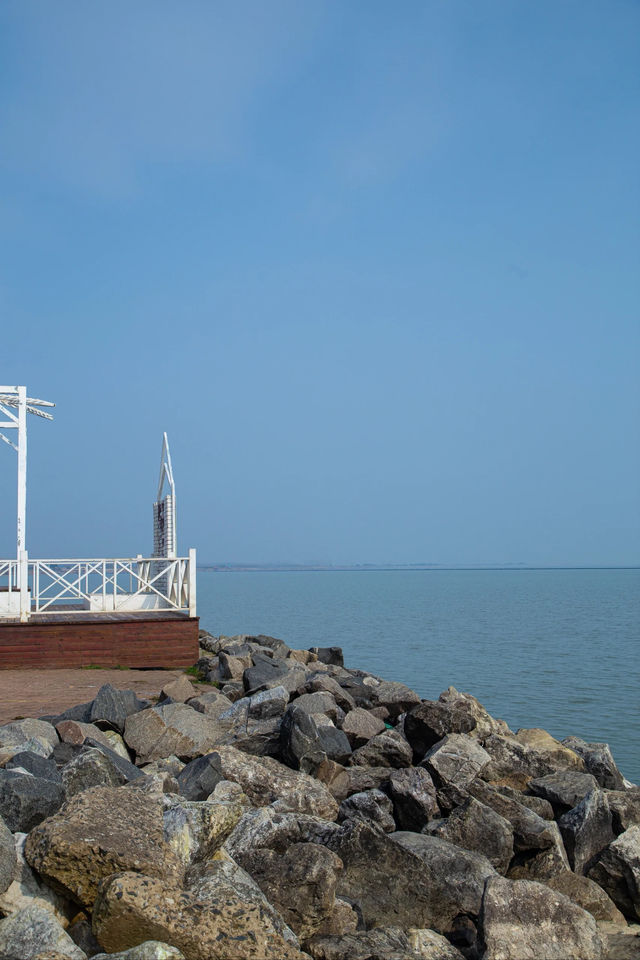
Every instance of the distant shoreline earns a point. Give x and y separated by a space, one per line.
373 567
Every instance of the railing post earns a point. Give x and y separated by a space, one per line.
192 582
25 603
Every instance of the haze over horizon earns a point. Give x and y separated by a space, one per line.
373 269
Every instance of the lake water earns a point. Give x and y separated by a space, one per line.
557 649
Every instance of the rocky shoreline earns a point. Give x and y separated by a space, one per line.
298 809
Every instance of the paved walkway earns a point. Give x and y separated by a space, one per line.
35 693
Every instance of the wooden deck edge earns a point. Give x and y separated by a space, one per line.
140 643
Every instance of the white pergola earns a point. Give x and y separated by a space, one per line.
104 585
14 406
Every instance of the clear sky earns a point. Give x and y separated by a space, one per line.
372 265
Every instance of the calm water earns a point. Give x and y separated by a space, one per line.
556 649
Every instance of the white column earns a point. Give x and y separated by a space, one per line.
22 470
25 601
192 582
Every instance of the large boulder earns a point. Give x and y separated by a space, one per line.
454 762
34 764
37 736
300 883
598 760
372 806
266 781
474 826
198 779
26 801
530 832
586 830
563 789
110 708
548 747
151 833
173 729
406 878
359 725
396 698
7 856
525 920
321 701
34 932
75 732
386 749
273 672
383 943
91 768
270 829
414 798
213 921
586 893
212 703
625 808
618 872
322 682
453 712
305 743
27 889
149 950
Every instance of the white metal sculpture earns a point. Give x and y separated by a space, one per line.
15 405
165 536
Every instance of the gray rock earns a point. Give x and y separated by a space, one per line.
320 702
322 682
514 761
80 712
625 808
126 770
36 736
586 830
265 781
26 889
618 872
300 883
598 760
395 697
25 800
587 894
383 943
212 703
357 779
563 789
524 920
268 704
199 778
175 729
44 767
304 744
475 826
359 725
427 723
111 707
414 798
453 763
332 655
269 829
386 749
272 672
407 879
530 832
372 806
539 805
149 950
34 931
7 856
90 768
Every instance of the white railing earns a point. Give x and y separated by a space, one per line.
98 586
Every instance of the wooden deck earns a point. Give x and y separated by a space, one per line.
80 639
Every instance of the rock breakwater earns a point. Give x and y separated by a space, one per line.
294 809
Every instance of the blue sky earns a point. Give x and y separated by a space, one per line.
372 266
